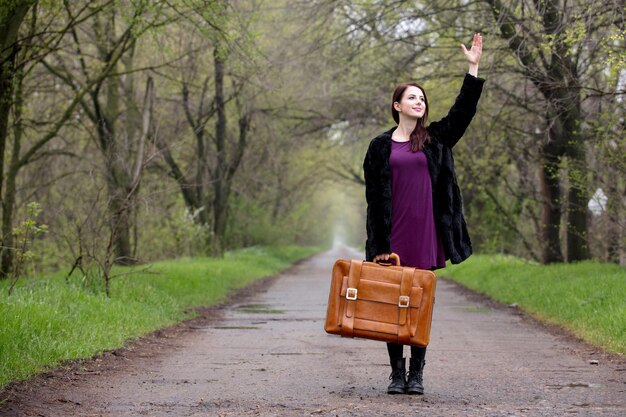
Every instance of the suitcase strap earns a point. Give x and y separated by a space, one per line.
347 325
404 319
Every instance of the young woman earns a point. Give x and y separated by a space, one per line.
413 200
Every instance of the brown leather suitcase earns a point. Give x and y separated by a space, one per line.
381 302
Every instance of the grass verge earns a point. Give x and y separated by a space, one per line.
48 320
587 298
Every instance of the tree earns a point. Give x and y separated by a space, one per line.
25 152
553 42
110 103
220 150
12 15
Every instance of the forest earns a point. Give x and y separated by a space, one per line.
138 130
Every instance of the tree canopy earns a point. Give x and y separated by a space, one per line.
152 129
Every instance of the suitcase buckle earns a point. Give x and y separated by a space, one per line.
351 293
403 301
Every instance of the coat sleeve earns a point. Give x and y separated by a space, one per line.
378 240
451 128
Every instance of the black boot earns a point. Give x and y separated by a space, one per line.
397 377
415 383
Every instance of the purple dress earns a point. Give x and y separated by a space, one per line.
413 233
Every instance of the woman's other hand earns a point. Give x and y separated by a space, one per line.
381 257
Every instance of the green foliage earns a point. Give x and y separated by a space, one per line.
574 35
315 80
250 224
587 298
23 237
180 235
616 56
49 320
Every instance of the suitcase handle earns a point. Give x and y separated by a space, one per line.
393 256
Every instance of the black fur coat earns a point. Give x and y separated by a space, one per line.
447 205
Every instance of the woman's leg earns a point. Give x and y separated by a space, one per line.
396 350
398 369
418 352
415 383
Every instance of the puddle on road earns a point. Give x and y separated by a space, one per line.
235 327
574 385
177 381
259 309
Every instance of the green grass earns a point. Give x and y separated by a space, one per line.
48 320
587 298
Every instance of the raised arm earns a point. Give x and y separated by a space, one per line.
452 127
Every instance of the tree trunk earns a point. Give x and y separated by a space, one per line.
118 175
219 185
116 152
577 247
11 19
613 213
220 217
8 206
213 179
119 213
550 207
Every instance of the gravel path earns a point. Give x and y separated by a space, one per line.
268 355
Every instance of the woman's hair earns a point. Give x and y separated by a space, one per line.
419 137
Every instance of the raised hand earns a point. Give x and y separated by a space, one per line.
473 55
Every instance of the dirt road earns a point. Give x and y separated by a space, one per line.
268 356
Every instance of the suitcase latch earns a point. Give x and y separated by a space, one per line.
403 301
351 293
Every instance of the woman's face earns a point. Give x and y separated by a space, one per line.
412 104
